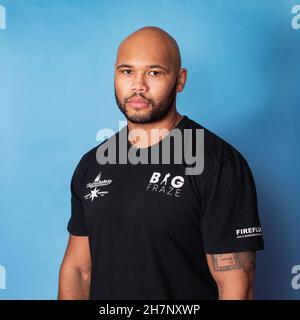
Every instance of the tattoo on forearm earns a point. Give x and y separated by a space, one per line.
236 260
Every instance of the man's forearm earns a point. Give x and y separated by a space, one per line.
73 285
234 274
227 293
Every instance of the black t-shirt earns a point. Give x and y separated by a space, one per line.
150 225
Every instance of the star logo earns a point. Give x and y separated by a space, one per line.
93 194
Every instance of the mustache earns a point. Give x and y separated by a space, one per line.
138 95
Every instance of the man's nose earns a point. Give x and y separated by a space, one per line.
139 84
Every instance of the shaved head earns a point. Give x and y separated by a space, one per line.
153 38
148 75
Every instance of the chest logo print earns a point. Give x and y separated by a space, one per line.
167 185
97 183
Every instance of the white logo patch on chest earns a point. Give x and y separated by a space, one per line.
97 183
168 185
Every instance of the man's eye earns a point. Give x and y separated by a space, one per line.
126 71
156 73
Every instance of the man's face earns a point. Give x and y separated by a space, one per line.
145 83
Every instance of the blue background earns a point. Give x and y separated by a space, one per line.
56 92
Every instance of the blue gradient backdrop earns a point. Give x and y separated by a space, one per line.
56 92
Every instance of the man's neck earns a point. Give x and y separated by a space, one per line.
145 136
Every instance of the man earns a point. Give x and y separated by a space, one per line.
150 231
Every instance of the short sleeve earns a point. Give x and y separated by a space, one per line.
77 223
230 220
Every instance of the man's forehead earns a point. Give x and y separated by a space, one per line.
144 58
142 63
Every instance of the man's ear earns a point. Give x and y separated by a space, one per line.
181 80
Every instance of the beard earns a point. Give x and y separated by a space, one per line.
156 112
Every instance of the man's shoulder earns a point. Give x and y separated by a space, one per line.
91 155
216 148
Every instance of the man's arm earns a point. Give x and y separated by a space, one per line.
75 271
234 274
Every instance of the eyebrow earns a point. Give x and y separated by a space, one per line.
158 66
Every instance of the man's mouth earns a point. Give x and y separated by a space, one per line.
137 103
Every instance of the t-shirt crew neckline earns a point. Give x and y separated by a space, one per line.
179 125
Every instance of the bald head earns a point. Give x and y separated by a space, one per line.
154 42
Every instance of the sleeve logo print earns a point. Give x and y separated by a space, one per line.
248 232
95 192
